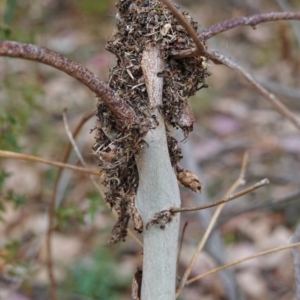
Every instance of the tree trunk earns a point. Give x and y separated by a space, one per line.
158 190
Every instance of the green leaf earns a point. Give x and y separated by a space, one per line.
17 200
5 30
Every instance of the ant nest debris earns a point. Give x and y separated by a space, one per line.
140 22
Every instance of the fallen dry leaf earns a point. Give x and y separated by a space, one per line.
190 180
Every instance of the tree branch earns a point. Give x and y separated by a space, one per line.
271 98
235 22
224 200
247 21
28 157
239 181
124 113
241 261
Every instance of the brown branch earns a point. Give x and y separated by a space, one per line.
239 181
53 283
27 157
224 200
124 113
187 26
68 150
241 261
181 242
271 98
269 203
51 210
247 21
235 22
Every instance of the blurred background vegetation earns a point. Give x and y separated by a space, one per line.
231 118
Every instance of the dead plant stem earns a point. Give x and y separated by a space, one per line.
247 21
51 210
271 98
225 199
213 271
21 156
240 181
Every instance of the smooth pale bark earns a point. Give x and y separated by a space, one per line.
158 190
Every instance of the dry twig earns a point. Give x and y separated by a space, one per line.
296 260
265 204
73 142
241 261
271 98
247 21
181 242
225 199
10 154
51 210
235 22
221 59
237 183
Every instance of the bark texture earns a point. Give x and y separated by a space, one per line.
158 190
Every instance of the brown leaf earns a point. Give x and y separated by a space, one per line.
136 218
190 180
137 284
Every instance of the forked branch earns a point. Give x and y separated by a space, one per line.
236 22
221 59
123 112
247 21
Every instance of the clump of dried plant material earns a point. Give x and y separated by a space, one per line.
140 22
137 284
161 218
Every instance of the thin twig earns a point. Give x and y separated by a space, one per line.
277 88
10 154
51 210
221 59
240 181
247 21
261 206
68 150
241 261
187 26
181 242
73 142
235 22
214 245
52 280
296 260
124 113
225 199
271 98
